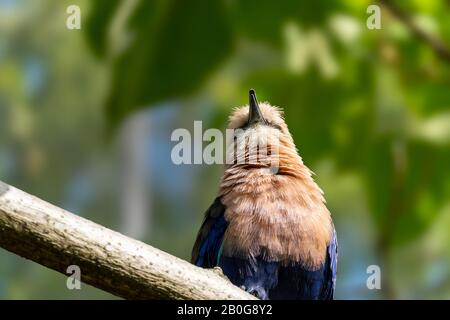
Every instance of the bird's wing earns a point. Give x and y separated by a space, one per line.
331 268
207 247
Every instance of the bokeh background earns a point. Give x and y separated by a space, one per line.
86 118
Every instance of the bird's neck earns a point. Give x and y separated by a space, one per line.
283 166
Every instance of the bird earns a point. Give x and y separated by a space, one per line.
269 229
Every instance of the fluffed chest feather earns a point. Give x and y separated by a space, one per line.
279 218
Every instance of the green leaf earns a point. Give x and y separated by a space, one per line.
426 189
177 44
98 24
407 185
264 20
378 173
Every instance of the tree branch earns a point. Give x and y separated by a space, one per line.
438 46
55 238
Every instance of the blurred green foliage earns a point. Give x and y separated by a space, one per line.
176 44
369 111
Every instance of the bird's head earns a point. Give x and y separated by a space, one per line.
257 126
255 117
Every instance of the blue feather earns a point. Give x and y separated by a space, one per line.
208 245
265 279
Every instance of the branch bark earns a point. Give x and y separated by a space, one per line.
55 238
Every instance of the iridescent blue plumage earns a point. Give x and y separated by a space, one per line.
206 251
265 279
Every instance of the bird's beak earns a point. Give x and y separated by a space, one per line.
254 113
